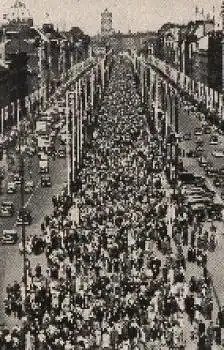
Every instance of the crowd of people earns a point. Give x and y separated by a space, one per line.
116 278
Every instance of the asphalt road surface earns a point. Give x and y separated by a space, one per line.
187 123
39 202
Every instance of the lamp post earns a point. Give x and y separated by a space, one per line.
23 227
73 138
80 121
2 121
68 134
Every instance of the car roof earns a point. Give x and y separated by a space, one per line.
25 209
10 231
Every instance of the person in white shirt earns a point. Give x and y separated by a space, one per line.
106 340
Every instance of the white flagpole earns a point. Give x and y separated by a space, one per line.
17 113
13 109
80 123
67 142
86 93
6 113
2 121
73 133
77 127
91 86
76 116
102 73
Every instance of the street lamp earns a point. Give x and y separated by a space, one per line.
22 213
68 137
74 131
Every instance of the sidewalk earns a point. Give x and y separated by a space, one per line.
216 259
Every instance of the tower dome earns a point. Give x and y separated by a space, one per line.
18 13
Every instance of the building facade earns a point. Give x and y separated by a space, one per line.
195 49
215 61
49 53
106 23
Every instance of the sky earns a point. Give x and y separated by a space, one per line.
134 15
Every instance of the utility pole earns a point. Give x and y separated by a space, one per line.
73 137
221 104
80 120
176 122
68 144
78 130
23 228
2 121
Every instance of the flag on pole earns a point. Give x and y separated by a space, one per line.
18 104
18 112
13 109
220 104
26 101
216 97
212 97
35 95
2 121
202 89
199 90
6 113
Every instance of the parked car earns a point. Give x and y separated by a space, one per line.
9 237
6 209
214 140
46 181
211 171
17 179
11 187
218 182
198 131
207 130
218 154
203 162
61 153
42 155
24 217
30 151
221 171
29 186
187 136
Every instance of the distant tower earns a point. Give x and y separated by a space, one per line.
106 23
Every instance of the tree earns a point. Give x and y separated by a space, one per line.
18 77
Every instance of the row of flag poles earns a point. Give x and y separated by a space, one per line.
212 98
81 101
12 111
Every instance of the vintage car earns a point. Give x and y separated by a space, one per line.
45 181
29 186
11 187
24 217
6 209
9 237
